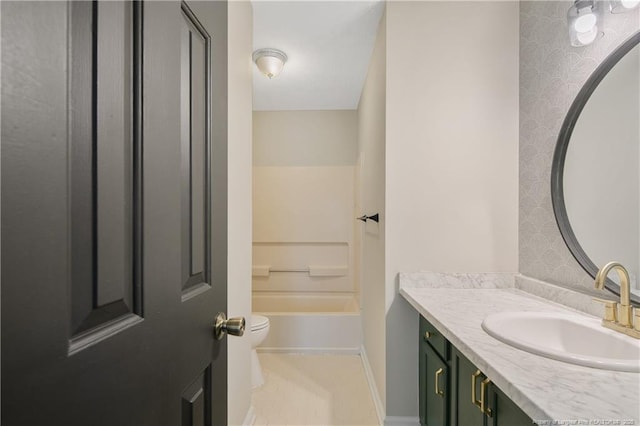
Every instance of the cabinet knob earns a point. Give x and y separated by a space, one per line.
427 335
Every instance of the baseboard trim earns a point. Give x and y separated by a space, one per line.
299 350
250 418
377 402
401 421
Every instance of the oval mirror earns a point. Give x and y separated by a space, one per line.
595 177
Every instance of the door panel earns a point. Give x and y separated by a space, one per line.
195 137
104 168
196 401
95 328
114 150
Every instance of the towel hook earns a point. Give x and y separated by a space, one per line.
374 218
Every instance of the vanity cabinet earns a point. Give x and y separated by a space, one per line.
467 377
454 392
509 413
434 377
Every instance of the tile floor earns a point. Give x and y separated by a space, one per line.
313 390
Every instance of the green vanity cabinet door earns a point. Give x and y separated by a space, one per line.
505 411
446 388
464 374
434 387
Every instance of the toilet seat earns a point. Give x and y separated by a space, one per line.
258 322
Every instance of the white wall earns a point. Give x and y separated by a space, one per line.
240 43
371 164
451 157
304 199
305 138
303 217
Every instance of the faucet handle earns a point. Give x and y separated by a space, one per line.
636 319
610 309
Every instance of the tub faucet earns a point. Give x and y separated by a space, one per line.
619 316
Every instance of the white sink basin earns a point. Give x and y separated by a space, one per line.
571 338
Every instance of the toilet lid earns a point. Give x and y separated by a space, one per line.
259 322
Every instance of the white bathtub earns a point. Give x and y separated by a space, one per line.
310 322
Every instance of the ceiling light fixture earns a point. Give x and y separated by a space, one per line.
622 6
584 19
269 61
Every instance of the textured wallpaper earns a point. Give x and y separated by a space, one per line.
551 74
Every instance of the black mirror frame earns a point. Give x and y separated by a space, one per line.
557 168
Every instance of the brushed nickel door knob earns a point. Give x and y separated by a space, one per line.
233 326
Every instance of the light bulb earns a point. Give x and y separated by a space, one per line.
629 4
586 21
587 37
623 6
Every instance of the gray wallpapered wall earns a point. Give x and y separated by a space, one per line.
551 74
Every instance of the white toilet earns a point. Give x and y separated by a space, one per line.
259 331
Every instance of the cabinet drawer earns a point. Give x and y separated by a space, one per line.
428 333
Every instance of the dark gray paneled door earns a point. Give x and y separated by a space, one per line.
114 212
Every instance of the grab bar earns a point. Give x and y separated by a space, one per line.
288 269
313 271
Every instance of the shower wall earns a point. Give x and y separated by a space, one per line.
304 201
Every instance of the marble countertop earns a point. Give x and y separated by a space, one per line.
544 388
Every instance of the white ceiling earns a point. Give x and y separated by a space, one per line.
329 45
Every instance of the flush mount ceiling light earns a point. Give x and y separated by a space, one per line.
269 61
622 6
584 19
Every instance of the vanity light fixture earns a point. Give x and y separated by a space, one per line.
622 6
269 61
585 19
